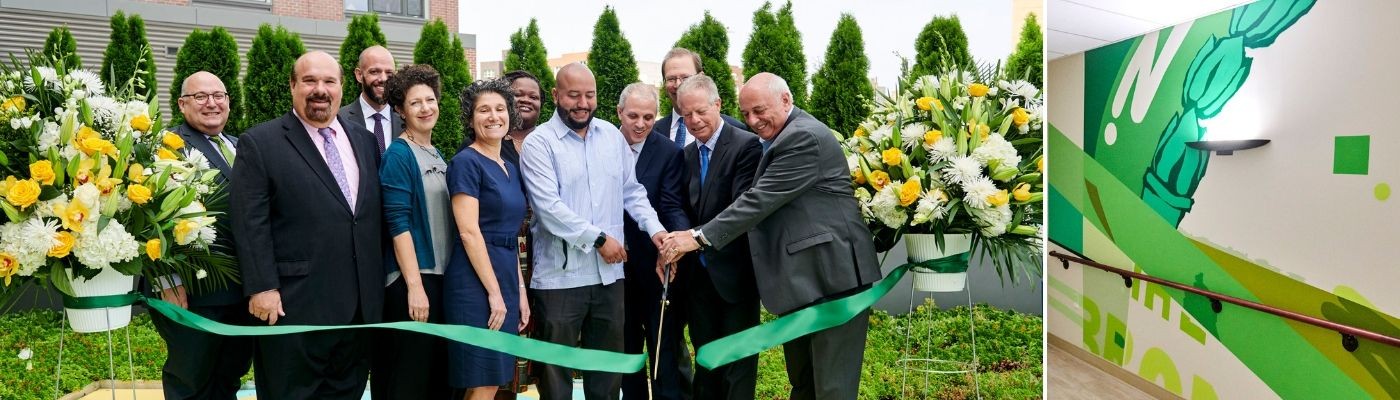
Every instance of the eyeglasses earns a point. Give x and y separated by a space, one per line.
678 79
203 97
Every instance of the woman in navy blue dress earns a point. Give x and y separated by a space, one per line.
483 286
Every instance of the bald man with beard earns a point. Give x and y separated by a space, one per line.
306 210
370 109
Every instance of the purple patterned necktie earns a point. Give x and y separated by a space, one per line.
379 132
333 161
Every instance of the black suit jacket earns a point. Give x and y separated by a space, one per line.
731 172
296 232
352 112
663 126
660 169
197 141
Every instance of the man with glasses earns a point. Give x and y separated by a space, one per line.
370 109
200 365
680 64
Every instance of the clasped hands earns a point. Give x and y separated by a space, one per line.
670 248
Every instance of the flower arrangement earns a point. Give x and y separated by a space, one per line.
92 183
956 153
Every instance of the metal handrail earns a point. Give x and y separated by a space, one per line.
1349 333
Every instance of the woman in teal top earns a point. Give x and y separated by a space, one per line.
418 216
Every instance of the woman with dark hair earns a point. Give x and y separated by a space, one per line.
527 90
418 215
484 288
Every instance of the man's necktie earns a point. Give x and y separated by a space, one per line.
704 170
379 131
333 161
680 131
223 149
765 145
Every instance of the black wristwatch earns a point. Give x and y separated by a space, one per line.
602 238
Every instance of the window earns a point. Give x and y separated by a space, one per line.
405 8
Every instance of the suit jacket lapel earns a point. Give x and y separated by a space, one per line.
366 155
719 156
301 141
396 125
197 140
787 126
649 152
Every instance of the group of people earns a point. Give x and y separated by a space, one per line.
350 215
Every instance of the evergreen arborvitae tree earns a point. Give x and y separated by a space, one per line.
60 46
942 44
612 63
270 61
363 32
1028 62
527 52
840 89
214 51
441 49
128 53
775 46
710 39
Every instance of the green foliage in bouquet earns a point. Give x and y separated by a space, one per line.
129 52
612 63
527 53
710 39
1028 62
270 62
91 182
443 50
960 152
776 46
61 45
837 99
214 51
361 33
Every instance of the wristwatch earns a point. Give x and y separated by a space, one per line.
602 238
699 238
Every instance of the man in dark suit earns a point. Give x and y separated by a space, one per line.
199 365
722 297
660 169
370 110
681 63
306 211
808 240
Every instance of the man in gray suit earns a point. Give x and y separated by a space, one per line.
809 244
370 109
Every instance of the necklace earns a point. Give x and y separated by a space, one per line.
427 149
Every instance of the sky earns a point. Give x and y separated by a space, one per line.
889 27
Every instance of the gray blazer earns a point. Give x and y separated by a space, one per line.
351 112
804 228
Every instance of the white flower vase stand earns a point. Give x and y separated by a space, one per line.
941 269
100 304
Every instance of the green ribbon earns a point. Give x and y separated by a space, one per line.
950 264
91 302
798 324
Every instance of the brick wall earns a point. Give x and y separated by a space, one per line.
330 10
471 63
445 9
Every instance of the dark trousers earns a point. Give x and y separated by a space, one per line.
712 318
590 316
643 317
826 364
200 365
409 365
314 365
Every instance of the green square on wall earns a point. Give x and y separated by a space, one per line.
1351 155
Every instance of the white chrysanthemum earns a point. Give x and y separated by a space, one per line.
997 148
1019 88
88 194
50 77
943 149
112 245
962 170
881 133
29 242
205 236
197 160
912 134
992 221
48 136
87 81
885 207
931 207
977 191
106 112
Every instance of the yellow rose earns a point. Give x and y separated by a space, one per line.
977 90
64 246
153 249
84 134
860 132
42 171
136 173
878 179
93 146
9 266
13 104
858 177
184 229
937 104
1022 192
932 137
138 194
172 141
892 156
22 193
1000 198
166 154
72 214
909 192
1019 116
925 103
141 123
